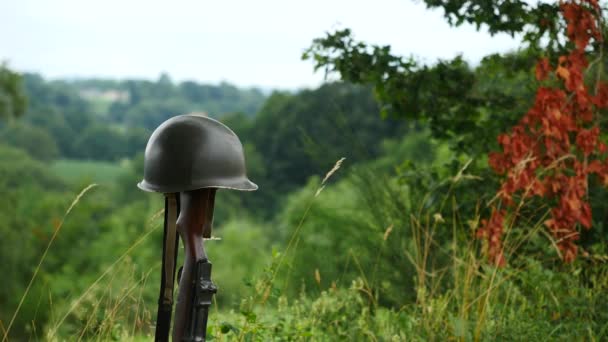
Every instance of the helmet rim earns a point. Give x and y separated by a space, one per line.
240 185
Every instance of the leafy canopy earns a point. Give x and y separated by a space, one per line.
12 98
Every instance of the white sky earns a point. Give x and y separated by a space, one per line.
243 42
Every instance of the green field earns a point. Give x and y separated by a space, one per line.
76 171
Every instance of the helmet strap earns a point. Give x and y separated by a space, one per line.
208 225
170 247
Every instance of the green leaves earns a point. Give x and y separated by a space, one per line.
12 98
512 17
465 106
226 327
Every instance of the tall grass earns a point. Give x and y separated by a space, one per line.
46 250
111 304
110 308
455 293
458 294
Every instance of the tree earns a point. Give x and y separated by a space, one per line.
448 95
100 142
12 98
463 108
301 135
555 148
37 142
535 21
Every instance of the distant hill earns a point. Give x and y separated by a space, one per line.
147 103
103 119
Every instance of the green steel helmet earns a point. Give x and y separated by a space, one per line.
190 152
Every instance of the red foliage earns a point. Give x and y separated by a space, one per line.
492 231
542 69
556 145
582 22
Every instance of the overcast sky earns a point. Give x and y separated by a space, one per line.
243 42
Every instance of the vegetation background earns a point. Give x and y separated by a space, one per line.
381 248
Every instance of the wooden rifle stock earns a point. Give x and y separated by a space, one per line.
194 223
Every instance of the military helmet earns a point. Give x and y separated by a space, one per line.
190 152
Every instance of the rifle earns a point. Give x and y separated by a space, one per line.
195 286
196 289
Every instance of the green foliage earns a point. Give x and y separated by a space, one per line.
28 211
297 135
465 106
99 142
535 21
36 141
57 108
108 120
18 170
530 303
12 98
112 259
283 145
342 227
335 314
151 103
237 258
361 223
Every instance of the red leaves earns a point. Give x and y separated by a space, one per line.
542 69
582 23
492 231
539 156
587 140
600 100
497 162
570 71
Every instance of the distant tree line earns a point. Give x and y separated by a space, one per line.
61 123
